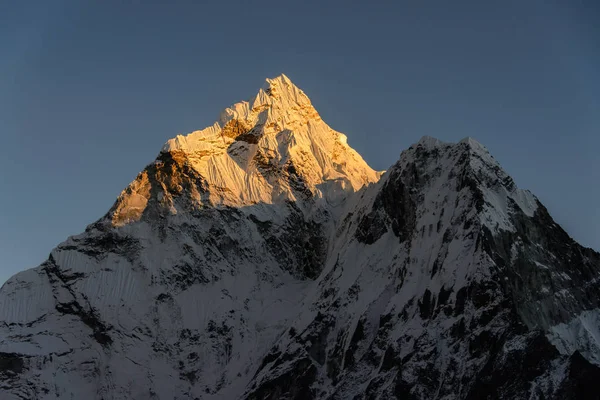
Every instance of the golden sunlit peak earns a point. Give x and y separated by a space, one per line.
274 129
278 80
282 86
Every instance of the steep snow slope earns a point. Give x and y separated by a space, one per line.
262 258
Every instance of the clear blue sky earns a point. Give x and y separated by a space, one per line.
90 90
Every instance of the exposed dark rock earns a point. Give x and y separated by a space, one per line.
299 246
393 207
582 380
293 384
357 336
509 373
11 363
425 305
88 316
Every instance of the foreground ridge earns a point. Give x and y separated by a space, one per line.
262 258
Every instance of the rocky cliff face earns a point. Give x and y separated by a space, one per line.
261 258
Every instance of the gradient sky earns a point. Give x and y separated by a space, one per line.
90 90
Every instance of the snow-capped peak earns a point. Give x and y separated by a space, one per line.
280 79
273 147
281 87
432 142
241 265
278 104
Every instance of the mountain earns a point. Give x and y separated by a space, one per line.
262 258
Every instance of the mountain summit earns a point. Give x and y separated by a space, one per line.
262 258
272 148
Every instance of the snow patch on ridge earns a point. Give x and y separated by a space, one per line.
581 334
498 188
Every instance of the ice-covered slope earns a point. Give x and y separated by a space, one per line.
262 258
